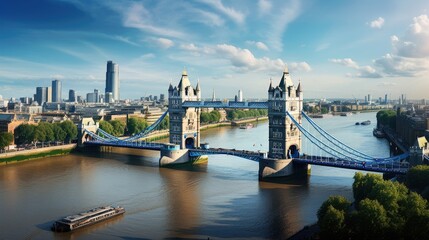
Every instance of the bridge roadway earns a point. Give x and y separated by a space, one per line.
230 104
392 167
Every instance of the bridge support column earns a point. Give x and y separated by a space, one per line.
275 168
269 168
172 154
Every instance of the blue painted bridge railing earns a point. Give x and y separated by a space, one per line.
254 156
231 104
395 167
139 145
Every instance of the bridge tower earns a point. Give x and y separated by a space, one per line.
184 122
284 137
85 124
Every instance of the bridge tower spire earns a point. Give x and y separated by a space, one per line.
184 122
284 137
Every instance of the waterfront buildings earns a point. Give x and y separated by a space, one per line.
56 91
112 81
40 96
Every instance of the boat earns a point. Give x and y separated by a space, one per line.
357 123
345 114
367 122
378 133
316 116
246 126
92 216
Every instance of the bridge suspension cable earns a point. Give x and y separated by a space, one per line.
147 130
325 147
335 141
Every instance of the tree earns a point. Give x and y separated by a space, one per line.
60 134
24 134
136 125
118 127
333 224
70 129
47 130
106 126
418 177
371 220
6 138
363 185
165 124
338 202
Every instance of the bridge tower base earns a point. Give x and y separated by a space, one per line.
270 168
171 154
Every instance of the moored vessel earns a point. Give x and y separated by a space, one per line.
367 122
246 126
92 216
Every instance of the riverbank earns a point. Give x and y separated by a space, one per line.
157 135
32 154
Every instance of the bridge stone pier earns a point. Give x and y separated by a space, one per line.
284 137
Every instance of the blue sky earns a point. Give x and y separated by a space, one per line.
337 48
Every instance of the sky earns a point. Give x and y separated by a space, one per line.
341 49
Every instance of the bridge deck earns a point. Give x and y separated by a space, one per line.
138 145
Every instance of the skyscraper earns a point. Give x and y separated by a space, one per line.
72 95
56 91
49 94
240 96
40 96
112 80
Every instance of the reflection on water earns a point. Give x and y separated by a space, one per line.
220 199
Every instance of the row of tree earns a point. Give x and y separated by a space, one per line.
45 132
6 138
386 118
240 114
382 210
135 125
210 117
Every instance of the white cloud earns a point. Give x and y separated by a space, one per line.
278 25
299 66
264 6
322 47
362 71
410 54
189 47
136 16
259 45
403 66
377 23
163 42
348 62
233 14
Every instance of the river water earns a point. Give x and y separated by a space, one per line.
221 199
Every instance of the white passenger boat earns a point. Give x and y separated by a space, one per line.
92 216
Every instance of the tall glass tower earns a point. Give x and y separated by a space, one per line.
56 91
112 80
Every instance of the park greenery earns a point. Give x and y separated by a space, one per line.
210 117
386 118
382 210
240 114
316 109
135 125
6 138
45 132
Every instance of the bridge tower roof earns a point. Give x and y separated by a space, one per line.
286 80
184 81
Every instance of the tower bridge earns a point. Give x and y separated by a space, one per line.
286 134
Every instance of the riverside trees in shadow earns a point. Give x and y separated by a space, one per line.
382 210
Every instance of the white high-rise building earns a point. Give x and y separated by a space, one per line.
240 95
112 80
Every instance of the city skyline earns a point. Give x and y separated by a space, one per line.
365 47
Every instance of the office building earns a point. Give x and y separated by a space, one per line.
72 95
90 98
96 95
40 96
49 94
56 91
112 80
108 98
240 96
385 99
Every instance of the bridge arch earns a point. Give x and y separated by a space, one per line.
293 151
190 142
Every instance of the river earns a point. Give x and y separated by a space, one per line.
221 199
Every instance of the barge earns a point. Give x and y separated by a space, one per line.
92 216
